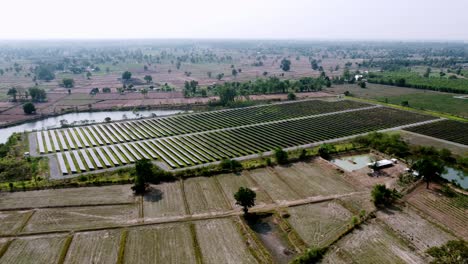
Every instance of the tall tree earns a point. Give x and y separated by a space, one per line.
126 76
285 65
29 108
148 78
12 92
245 197
429 167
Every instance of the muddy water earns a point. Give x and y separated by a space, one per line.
273 239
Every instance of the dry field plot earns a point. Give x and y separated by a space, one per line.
164 200
319 224
67 197
204 195
171 243
371 244
230 183
441 208
35 250
414 228
310 179
221 242
94 247
11 221
274 186
76 218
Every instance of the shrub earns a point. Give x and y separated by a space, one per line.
230 165
383 196
281 156
312 255
454 251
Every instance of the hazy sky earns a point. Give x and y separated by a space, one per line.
285 19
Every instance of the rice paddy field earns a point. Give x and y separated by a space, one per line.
192 139
321 223
221 242
204 195
38 249
12 221
372 243
94 247
171 243
164 200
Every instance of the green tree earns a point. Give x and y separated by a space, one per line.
68 82
245 197
234 73
227 95
126 76
291 96
429 167
230 165
281 156
452 252
325 151
285 65
29 108
381 196
37 94
143 172
44 72
148 78
12 92
88 75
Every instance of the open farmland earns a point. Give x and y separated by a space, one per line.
221 242
230 183
169 243
321 223
94 247
447 129
204 195
371 244
194 139
12 221
74 218
450 212
40 250
164 200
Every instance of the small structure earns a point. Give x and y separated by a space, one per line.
26 155
381 164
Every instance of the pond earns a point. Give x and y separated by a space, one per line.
458 176
350 163
91 117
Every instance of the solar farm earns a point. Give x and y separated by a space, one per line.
187 140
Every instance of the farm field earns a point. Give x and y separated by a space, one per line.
164 200
39 249
312 179
11 221
117 194
230 183
221 242
420 232
447 129
321 223
204 195
94 247
273 185
183 143
76 218
450 212
168 243
372 243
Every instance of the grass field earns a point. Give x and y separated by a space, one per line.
38 250
94 247
451 212
204 195
164 200
221 242
75 218
12 221
310 179
439 102
273 185
171 243
67 197
230 183
321 223
372 244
